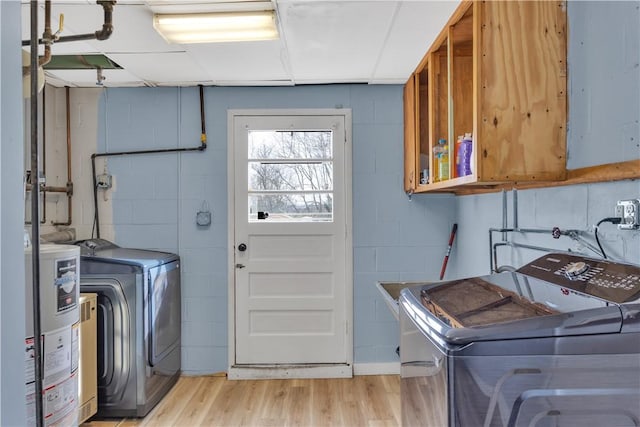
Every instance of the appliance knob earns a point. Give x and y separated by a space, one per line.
575 269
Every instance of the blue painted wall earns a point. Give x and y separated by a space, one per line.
155 199
604 110
604 82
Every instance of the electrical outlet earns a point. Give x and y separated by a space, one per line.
104 181
629 212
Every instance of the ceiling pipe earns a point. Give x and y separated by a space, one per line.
107 27
102 34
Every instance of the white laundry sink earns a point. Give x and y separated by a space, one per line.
391 292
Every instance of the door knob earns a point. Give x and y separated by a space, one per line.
242 247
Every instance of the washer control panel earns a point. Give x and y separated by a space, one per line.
604 279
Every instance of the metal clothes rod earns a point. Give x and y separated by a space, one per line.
554 232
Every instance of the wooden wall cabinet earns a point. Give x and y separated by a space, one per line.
497 70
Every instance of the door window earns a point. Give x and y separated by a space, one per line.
290 175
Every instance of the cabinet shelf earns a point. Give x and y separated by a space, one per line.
497 71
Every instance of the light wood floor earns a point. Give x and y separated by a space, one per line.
372 401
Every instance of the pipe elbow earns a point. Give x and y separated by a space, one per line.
105 33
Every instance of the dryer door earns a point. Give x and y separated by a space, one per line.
114 361
164 310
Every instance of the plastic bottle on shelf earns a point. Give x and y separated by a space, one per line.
443 161
456 157
437 151
464 155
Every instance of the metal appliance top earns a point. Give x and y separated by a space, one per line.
104 251
615 282
576 295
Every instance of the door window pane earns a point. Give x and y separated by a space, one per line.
290 144
290 175
291 207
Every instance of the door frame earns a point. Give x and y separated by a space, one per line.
290 371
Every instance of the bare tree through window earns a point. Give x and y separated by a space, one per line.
291 175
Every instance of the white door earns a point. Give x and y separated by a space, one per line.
291 240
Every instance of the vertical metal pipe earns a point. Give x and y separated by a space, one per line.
44 158
504 214
515 209
203 135
35 215
96 216
69 182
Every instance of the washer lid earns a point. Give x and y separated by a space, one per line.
142 257
100 250
508 305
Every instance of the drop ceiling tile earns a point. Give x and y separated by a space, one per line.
335 40
88 78
242 61
415 27
168 67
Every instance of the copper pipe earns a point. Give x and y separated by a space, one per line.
56 189
49 188
47 35
44 165
69 187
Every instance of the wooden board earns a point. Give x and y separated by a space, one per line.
410 180
522 91
475 302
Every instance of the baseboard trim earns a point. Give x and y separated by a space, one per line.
389 368
252 372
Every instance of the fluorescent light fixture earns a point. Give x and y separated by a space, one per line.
216 27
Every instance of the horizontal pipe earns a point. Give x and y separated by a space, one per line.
534 230
68 189
102 34
572 234
202 147
164 150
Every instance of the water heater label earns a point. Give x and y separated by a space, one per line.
66 283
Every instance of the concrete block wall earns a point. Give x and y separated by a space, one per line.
604 111
578 207
155 199
604 82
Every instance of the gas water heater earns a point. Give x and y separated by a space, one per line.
60 331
